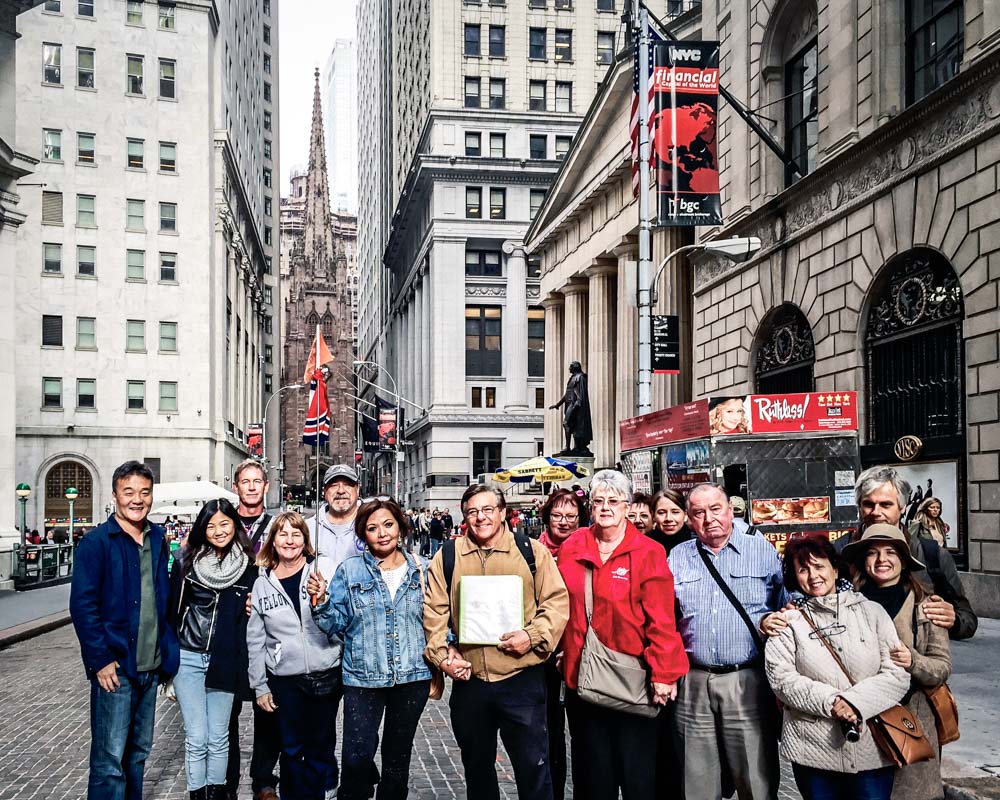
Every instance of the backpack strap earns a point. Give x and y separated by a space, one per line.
524 545
448 557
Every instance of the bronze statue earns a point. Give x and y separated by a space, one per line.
577 425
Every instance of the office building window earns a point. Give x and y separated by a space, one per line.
935 41
605 48
802 111
54 6
498 46
267 34
536 43
85 68
536 342
267 64
473 143
534 266
484 397
168 157
536 3
52 330
267 92
536 96
498 204
267 7
472 92
498 145
473 202
135 336
168 217
564 45
86 333
52 58
85 148
267 120
52 207
168 267
52 150
483 263
267 207
483 325
472 45
562 146
536 198
485 458
498 93
135 265
267 148
564 5
52 392
85 8
564 97
86 260
538 146
86 393
267 177
135 153
267 265
52 258
166 16
168 88
168 337
268 384
135 394
539 402
267 234
135 68
605 5
86 214
135 215
133 12
477 397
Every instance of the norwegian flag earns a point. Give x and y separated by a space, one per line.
317 428
633 125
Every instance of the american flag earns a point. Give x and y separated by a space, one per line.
316 431
633 125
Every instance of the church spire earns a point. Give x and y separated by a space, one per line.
318 234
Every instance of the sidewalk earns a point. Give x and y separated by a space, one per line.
27 614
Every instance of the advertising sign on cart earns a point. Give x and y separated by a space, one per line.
936 479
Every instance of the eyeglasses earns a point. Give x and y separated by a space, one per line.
486 511
607 502
382 498
564 517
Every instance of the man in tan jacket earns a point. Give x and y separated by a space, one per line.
501 687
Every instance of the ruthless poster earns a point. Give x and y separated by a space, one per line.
685 145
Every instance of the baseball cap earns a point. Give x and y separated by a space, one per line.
739 504
340 471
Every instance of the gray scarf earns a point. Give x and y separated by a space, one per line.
220 574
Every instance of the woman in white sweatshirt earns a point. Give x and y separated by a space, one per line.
295 666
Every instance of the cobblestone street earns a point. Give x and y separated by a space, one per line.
44 736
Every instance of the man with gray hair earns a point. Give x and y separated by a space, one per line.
881 494
725 582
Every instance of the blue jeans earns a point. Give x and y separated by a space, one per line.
822 784
206 722
435 546
121 731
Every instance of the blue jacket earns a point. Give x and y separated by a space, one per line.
104 600
383 638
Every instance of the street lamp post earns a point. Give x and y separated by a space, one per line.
71 495
23 492
395 391
737 249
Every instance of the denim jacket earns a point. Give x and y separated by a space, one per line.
383 637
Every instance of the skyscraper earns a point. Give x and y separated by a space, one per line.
340 121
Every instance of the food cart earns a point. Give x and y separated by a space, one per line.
793 458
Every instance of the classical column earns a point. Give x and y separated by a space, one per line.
575 337
626 351
422 360
601 359
447 265
427 334
555 371
515 329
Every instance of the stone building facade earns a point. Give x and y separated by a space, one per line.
316 292
880 264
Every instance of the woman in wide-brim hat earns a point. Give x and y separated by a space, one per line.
883 568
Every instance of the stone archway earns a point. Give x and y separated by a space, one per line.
61 476
785 355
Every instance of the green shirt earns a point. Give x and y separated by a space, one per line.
147 648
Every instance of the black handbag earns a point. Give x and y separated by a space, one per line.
324 683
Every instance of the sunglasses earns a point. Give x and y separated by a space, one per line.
380 498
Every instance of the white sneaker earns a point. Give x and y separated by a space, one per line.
331 794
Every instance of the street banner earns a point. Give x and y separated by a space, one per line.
255 439
390 422
685 145
666 425
666 344
316 430
795 413
371 422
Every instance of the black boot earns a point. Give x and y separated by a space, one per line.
199 794
217 793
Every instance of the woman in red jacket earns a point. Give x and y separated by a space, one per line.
633 614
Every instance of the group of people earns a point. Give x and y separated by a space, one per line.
297 615
429 529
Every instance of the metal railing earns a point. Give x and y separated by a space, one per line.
41 564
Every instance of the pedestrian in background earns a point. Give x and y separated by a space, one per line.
374 598
436 532
884 573
209 590
824 734
118 604
632 613
294 666
927 524
670 526
640 512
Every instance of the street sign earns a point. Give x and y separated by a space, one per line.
666 344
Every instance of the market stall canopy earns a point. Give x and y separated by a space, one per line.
162 512
542 468
190 492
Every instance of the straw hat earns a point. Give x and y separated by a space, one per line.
882 532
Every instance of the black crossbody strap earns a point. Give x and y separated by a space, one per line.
732 599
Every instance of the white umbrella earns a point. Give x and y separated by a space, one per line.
175 511
190 492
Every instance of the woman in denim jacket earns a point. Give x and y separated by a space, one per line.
375 603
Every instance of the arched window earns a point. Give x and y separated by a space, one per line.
312 320
328 324
61 477
914 350
785 353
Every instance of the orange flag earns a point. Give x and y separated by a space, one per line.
325 357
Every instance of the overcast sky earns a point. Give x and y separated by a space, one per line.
307 31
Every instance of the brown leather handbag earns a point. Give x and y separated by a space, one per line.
896 732
945 713
436 691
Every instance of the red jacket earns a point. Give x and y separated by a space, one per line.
633 604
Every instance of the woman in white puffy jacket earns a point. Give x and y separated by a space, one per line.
825 735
